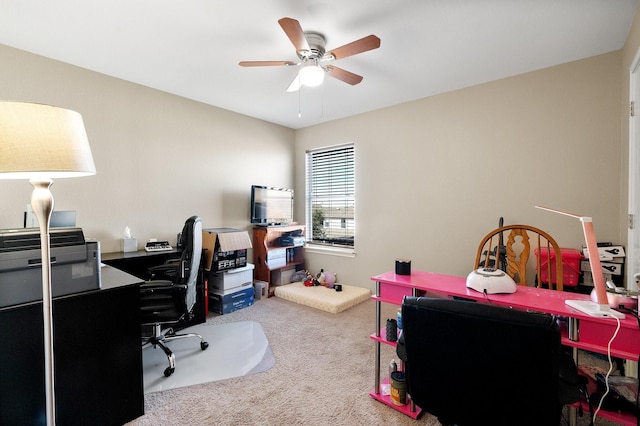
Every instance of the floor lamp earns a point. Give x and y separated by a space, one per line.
40 142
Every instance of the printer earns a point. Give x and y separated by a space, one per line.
75 264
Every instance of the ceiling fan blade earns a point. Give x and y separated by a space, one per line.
265 63
365 44
295 84
344 75
294 31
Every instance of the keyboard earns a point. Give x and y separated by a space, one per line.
154 246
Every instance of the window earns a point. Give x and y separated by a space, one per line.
330 203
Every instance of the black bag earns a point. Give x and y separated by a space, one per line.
570 381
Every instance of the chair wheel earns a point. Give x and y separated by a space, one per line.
169 371
204 345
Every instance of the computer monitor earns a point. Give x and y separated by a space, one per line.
601 307
59 219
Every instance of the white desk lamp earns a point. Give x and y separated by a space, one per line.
39 142
601 307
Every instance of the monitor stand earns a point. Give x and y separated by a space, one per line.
594 309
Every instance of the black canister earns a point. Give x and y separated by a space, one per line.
403 266
392 330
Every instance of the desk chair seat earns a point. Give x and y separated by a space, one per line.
170 301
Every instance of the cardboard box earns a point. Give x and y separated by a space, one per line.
232 278
226 248
613 254
276 258
282 277
608 268
225 302
612 272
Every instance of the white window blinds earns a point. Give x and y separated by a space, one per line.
330 203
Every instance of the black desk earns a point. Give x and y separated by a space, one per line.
138 262
97 355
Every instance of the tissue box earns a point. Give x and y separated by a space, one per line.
129 244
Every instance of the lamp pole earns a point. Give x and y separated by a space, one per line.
42 205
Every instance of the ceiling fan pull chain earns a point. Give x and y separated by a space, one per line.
322 102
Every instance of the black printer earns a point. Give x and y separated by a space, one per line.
75 264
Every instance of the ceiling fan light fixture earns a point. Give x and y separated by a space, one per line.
311 75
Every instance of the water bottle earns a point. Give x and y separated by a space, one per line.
399 320
393 367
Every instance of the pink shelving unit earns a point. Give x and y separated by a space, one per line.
582 331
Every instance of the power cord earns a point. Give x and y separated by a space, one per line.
606 379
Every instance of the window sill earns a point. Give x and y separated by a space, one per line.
328 250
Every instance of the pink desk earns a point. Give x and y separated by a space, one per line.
586 332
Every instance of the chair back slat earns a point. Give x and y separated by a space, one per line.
517 249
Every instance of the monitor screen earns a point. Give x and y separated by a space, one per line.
59 219
271 206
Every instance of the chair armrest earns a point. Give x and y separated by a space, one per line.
162 286
159 284
165 270
157 287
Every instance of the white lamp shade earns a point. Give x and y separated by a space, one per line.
42 141
311 75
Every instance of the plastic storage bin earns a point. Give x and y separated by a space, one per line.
570 266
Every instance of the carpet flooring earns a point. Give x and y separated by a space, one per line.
323 375
235 349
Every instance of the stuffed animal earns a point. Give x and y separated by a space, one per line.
330 279
310 280
320 277
299 276
326 279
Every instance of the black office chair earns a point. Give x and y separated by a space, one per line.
171 300
474 364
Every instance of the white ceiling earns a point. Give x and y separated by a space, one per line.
192 48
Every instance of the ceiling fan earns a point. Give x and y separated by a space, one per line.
314 59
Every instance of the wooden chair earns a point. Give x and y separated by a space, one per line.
513 255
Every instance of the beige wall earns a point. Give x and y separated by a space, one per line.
160 158
433 176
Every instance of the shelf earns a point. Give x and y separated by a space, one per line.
595 332
595 348
382 338
625 419
265 241
289 265
386 300
404 409
276 247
